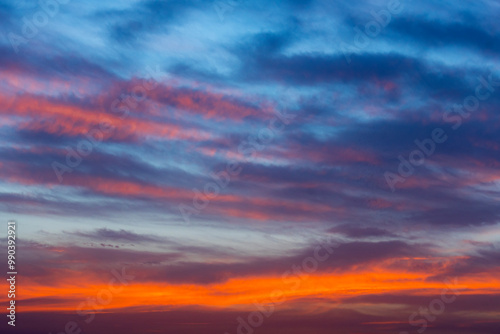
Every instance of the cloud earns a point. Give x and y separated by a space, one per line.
467 34
360 232
105 234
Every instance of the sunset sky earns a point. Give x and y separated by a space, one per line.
242 167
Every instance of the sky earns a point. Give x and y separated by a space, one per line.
244 167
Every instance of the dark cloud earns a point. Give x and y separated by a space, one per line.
438 33
345 257
353 231
134 24
104 234
485 260
190 319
